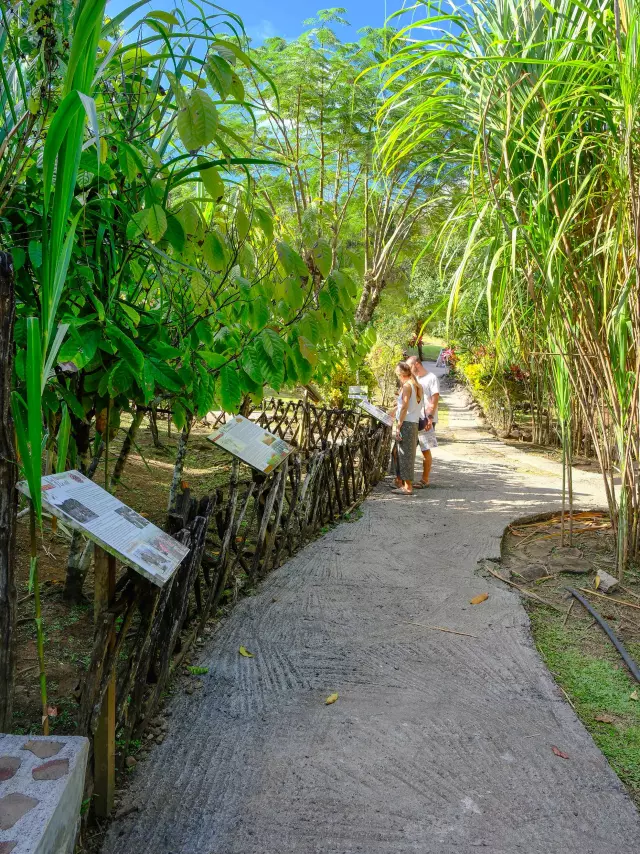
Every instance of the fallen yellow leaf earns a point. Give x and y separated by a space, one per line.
244 651
330 699
596 583
478 599
634 695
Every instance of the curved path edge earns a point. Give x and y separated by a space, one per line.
439 743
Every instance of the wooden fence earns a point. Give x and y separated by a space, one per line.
248 527
300 422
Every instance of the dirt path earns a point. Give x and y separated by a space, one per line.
438 743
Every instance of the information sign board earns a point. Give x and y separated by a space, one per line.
377 413
251 444
118 529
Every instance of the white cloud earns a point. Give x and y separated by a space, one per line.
261 31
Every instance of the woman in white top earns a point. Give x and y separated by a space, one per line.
408 411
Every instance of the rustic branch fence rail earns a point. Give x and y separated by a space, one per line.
247 527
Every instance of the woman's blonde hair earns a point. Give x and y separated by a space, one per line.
405 370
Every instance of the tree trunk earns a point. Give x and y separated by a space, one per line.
369 299
8 496
125 450
153 425
179 466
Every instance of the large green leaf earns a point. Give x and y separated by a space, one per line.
174 234
156 223
120 379
264 221
178 91
35 253
80 347
242 223
166 377
147 383
322 256
345 283
219 74
161 348
165 17
273 344
214 253
178 414
126 348
251 364
291 262
189 217
138 224
64 432
237 87
204 395
303 366
272 371
307 350
72 402
212 181
230 388
198 121
211 359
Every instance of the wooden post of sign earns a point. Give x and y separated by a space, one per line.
306 425
104 744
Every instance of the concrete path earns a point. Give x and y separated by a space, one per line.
438 744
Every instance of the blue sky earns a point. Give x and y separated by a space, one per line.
264 18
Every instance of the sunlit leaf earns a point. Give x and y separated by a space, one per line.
197 121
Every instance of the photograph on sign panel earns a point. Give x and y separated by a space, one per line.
131 516
166 545
73 508
150 558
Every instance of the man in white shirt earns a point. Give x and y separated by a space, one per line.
431 388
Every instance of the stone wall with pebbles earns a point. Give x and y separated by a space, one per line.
41 786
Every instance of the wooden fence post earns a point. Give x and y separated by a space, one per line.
104 745
8 496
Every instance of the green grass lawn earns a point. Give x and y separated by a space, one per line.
430 348
597 683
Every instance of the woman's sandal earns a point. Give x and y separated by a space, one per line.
400 491
421 485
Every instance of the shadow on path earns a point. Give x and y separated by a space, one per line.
438 743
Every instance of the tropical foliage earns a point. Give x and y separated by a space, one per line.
147 268
539 106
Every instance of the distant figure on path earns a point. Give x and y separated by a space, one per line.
431 389
407 413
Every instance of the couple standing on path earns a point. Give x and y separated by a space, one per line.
416 411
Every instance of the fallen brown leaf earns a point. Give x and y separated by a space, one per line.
605 719
478 599
559 752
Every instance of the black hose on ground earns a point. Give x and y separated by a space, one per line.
606 628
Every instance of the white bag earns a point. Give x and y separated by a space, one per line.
427 439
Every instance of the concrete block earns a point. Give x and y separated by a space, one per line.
607 582
41 786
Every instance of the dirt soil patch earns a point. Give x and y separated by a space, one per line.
537 557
